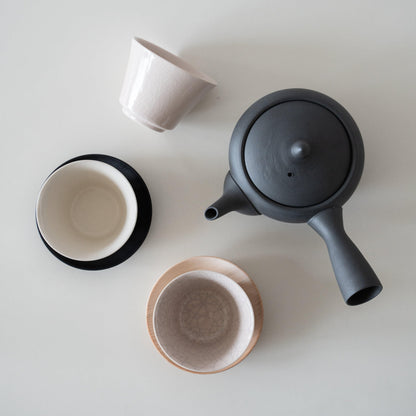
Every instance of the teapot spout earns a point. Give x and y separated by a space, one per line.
218 208
233 199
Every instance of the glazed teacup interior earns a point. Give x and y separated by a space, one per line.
203 321
86 210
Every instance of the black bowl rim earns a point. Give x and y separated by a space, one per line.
141 228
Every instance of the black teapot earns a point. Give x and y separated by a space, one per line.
297 155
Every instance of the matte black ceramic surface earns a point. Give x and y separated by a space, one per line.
140 230
295 154
297 145
310 162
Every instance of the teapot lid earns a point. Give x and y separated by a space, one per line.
297 153
294 153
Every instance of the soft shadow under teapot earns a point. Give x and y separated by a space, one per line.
297 155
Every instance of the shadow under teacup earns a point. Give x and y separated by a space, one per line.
204 320
93 211
159 88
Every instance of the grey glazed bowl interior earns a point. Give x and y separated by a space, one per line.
203 321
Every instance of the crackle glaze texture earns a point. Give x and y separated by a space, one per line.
204 315
160 88
203 320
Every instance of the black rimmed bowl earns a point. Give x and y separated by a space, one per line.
93 212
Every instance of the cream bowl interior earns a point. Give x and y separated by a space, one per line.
203 321
86 210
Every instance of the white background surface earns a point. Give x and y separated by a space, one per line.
75 342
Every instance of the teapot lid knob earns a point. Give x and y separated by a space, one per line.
300 149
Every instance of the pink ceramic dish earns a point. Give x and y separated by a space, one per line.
204 315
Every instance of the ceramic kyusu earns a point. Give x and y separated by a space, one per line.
297 155
160 88
93 212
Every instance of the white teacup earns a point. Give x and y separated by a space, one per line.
204 321
86 210
160 88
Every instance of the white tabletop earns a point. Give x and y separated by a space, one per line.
74 342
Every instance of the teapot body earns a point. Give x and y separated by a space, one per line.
297 156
